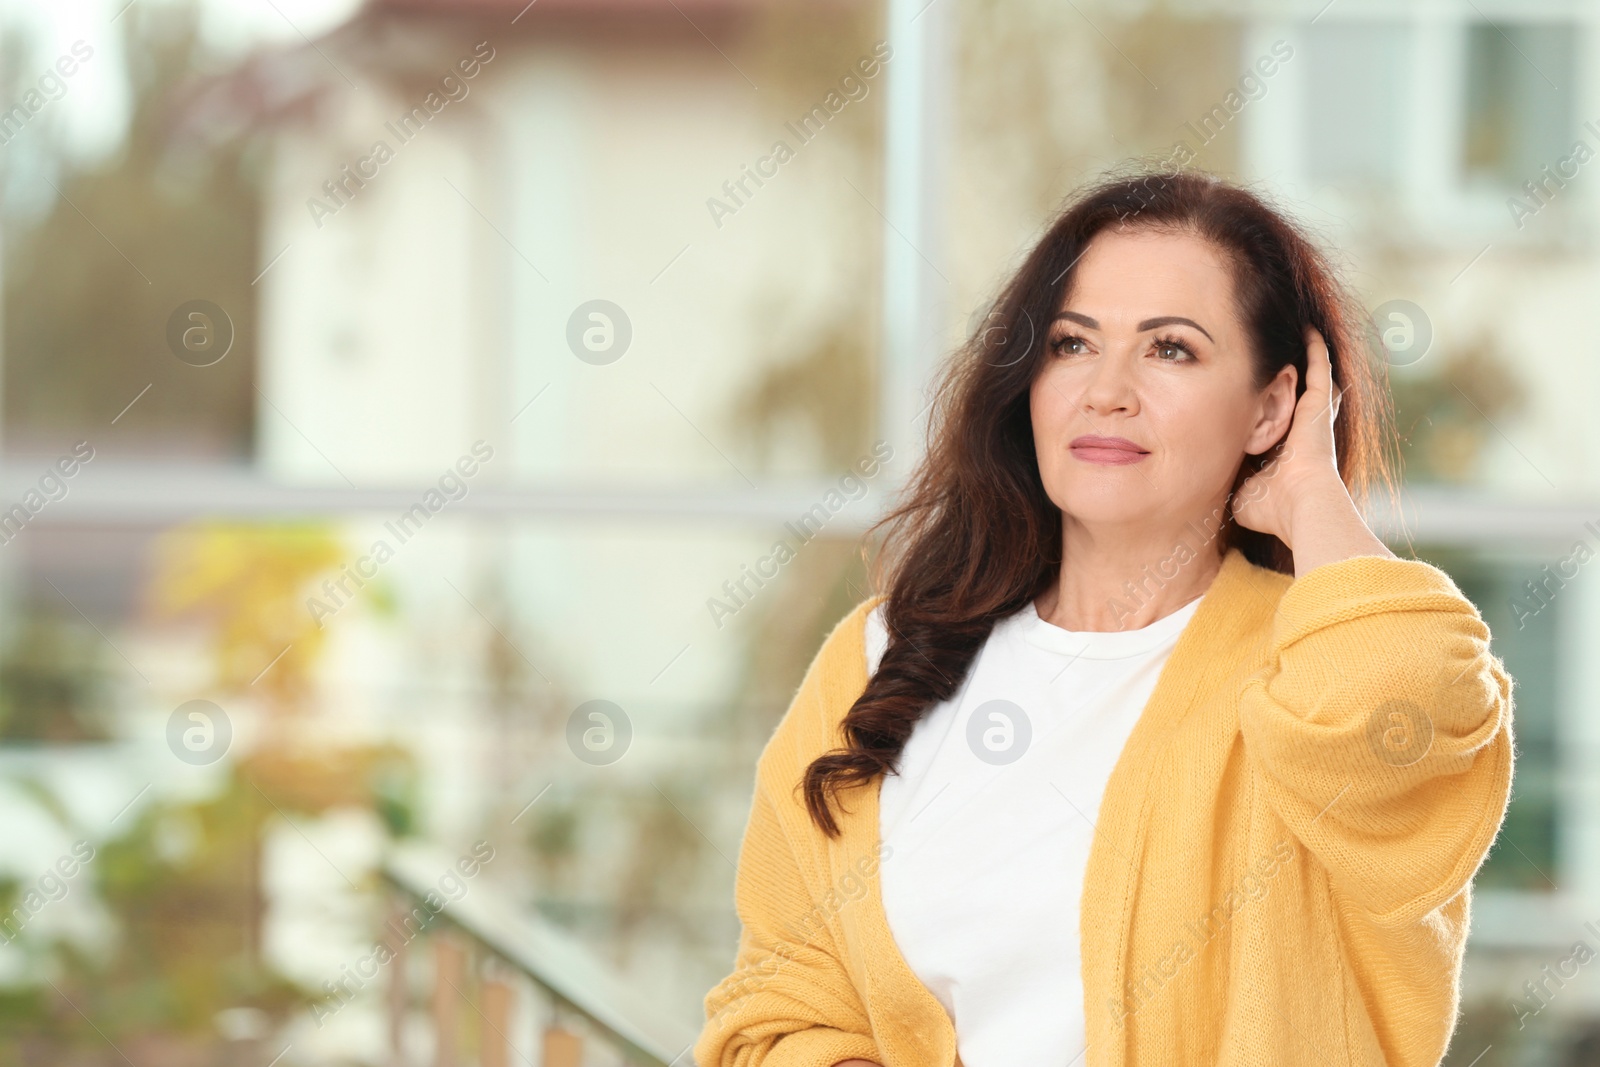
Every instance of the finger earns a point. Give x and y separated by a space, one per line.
1319 369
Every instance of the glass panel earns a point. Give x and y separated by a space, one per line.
1521 81
238 729
1525 635
212 733
1356 72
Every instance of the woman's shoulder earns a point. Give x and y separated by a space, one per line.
835 678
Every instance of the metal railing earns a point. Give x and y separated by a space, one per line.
159 492
480 944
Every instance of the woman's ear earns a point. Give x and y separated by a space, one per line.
1274 411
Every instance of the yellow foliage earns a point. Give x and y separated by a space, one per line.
248 581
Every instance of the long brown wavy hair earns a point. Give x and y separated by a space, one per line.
975 537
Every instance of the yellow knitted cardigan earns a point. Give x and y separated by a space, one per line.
1281 869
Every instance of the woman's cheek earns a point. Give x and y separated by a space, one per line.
1052 413
1048 429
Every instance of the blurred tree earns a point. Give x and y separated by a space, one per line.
53 680
1446 409
814 394
183 888
818 395
249 583
89 286
183 885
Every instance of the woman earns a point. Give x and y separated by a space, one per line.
1153 753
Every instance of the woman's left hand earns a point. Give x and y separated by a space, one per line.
1306 466
1299 497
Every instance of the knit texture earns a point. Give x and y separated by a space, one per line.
1280 872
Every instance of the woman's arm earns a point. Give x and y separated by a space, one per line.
791 999
1382 725
789 1002
1327 528
1381 729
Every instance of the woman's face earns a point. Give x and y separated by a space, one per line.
1148 350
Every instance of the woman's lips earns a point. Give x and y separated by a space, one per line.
1092 448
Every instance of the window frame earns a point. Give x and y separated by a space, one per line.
1432 202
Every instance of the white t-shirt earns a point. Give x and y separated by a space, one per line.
982 887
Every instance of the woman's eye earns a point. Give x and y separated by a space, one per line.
1070 346
1172 353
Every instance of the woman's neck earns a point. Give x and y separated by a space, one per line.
1125 590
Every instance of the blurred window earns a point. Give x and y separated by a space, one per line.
1519 112
1356 75
1526 856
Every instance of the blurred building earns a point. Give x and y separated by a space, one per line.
539 304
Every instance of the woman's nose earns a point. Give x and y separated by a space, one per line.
1110 384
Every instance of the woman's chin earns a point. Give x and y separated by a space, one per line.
1118 520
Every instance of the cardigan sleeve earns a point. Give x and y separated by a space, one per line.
1381 731
789 1002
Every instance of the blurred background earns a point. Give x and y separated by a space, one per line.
434 443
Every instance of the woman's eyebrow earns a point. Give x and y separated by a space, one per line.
1147 324
1174 320
1082 320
